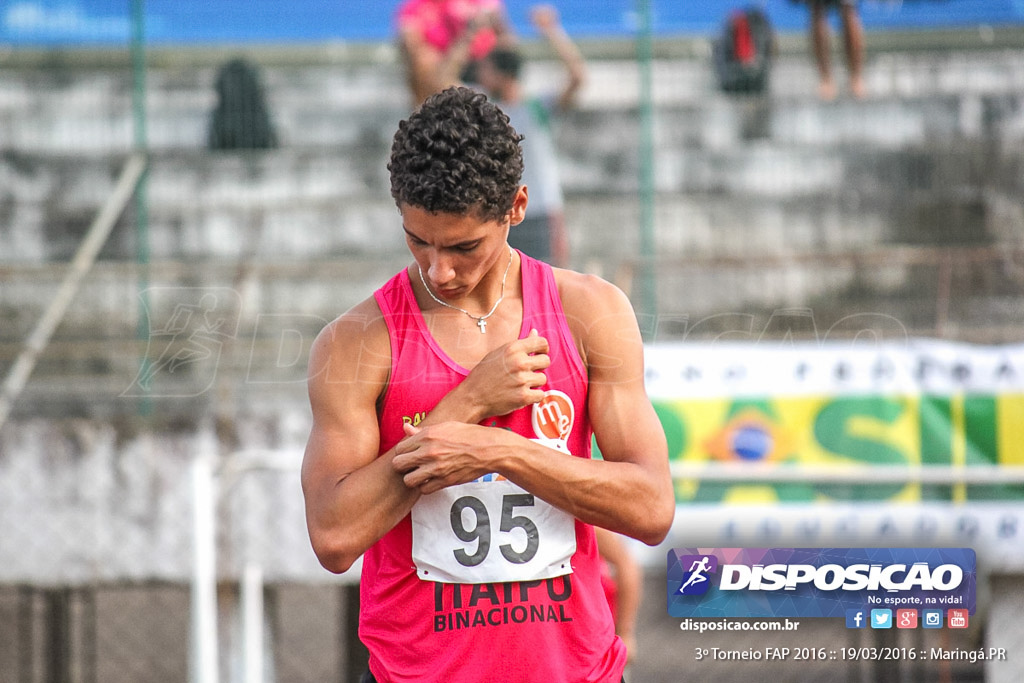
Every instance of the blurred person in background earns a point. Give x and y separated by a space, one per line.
428 30
499 73
241 119
622 578
821 45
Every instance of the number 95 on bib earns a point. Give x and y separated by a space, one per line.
490 532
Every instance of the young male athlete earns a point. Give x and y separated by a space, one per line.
452 421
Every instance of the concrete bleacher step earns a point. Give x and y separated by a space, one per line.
115 295
913 96
319 203
248 325
272 311
784 185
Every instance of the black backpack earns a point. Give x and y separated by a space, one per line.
743 52
241 119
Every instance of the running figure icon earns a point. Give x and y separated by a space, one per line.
697 571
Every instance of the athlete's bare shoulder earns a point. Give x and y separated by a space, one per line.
598 312
587 288
353 349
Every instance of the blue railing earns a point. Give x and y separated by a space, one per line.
98 22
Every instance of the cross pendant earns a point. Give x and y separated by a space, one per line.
482 324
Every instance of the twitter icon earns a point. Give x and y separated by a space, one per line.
881 618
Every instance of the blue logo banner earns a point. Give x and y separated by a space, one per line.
848 583
82 22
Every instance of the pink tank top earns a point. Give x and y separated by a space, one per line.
556 630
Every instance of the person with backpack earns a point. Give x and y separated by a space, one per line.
853 42
744 51
542 233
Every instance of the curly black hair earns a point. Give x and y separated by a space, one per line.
457 154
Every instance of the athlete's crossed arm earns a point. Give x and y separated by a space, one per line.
630 491
352 496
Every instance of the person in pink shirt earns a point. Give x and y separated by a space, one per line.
453 416
428 30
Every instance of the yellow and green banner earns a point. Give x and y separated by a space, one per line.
915 403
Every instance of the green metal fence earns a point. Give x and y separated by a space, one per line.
713 211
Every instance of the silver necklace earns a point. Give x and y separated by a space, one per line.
481 320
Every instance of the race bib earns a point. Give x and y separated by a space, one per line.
493 531
490 532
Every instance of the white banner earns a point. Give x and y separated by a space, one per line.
734 369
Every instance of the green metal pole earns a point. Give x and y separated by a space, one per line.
141 143
648 276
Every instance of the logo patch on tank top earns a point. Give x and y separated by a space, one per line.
553 417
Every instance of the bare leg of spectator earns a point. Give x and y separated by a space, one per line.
853 35
821 44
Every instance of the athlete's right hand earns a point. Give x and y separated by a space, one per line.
509 377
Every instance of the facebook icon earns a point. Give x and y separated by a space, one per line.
855 618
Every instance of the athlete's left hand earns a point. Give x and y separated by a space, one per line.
442 455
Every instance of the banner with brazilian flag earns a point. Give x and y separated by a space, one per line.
916 402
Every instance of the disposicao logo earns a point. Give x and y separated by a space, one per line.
697 579
819 582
